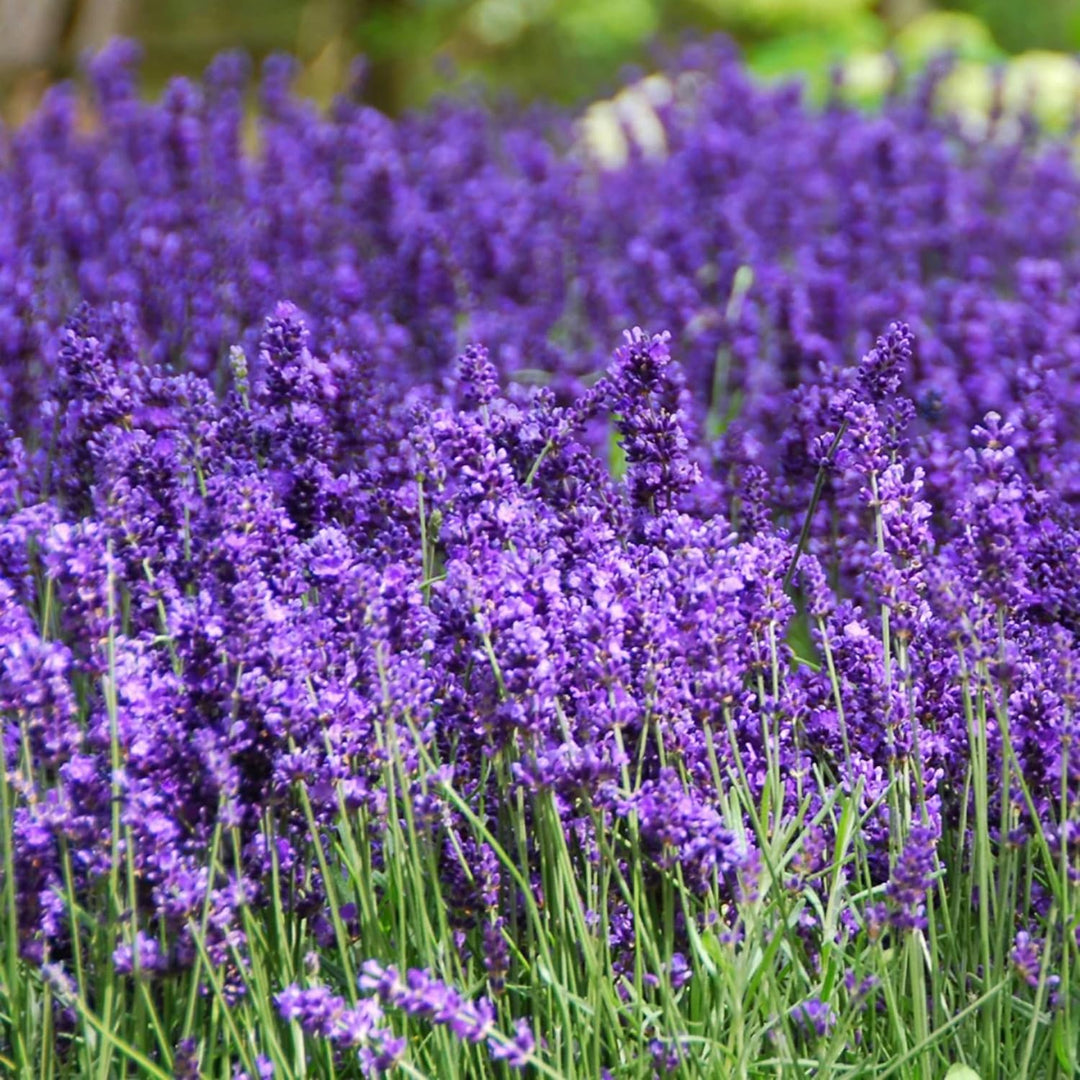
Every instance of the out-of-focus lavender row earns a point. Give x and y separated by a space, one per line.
402 240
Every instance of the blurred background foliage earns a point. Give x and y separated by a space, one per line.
562 49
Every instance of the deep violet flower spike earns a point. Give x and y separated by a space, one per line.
320 1012
813 1018
516 1051
882 368
659 467
1025 956
911 879
422 995
284 358
186 1060
639 366
994 515
478 378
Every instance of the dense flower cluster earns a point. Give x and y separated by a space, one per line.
266 565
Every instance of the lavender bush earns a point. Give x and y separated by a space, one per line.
581 703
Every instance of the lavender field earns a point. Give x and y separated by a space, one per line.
410 666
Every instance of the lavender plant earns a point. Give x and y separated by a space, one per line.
701 709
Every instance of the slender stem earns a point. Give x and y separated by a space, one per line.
815 498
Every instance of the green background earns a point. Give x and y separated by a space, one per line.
562 49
